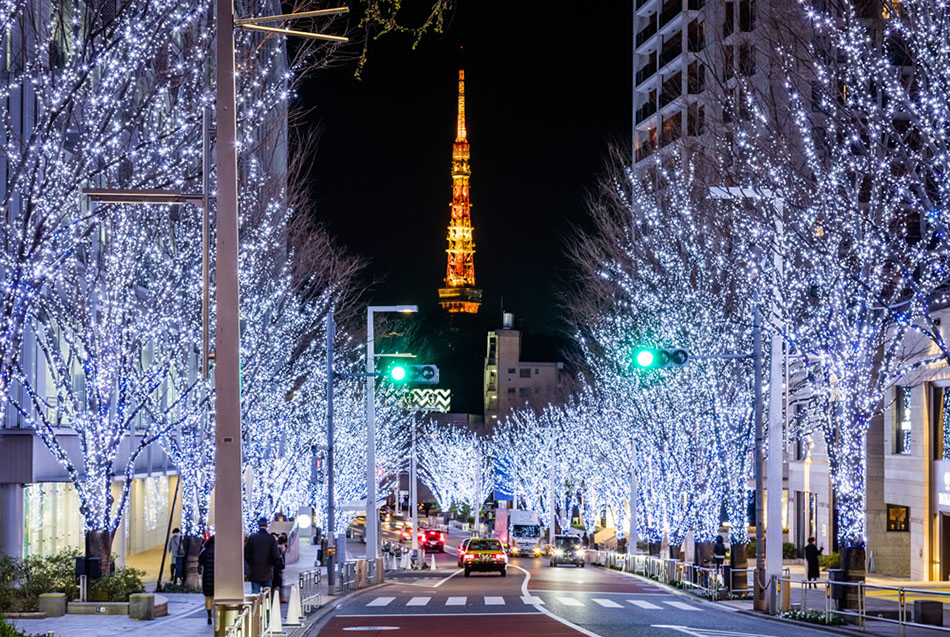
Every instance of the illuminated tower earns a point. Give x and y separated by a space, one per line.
460 294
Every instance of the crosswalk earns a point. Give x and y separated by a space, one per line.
562 600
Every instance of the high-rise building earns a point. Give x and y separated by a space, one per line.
460 294
685 51
511 383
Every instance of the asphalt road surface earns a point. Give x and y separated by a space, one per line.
535 600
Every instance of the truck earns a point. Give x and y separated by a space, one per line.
520 531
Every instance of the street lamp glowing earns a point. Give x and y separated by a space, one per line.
645 358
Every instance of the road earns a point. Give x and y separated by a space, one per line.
534 600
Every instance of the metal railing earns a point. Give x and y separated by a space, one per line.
713 582
256 608
849 600
309 585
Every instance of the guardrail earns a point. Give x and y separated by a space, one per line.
709 581
257 610
309 584
849 600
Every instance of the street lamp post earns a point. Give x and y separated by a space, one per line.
372 514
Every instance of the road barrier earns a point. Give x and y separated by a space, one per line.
713 582
901 605
309 583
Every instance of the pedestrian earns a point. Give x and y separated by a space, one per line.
719 552
811 559
278 583
206 564
585 540
261 554
174 550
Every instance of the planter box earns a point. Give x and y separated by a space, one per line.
28 615
98 608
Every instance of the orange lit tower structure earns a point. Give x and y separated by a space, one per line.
460 294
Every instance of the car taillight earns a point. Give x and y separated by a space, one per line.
499 556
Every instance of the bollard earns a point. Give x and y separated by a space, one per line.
294 612
433 561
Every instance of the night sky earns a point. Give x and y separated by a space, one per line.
548 88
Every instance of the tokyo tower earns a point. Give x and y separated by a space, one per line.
460 296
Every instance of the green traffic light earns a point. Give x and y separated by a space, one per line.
645 358
398 373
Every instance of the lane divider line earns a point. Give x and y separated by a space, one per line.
543 609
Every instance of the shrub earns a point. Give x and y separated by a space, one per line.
9 630
789 551
812 617
832 560
750 548
179 588
118 586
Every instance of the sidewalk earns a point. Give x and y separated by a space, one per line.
186 612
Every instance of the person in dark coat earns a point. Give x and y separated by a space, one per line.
585 540
719 552
262 555
811 559
278 583
206 564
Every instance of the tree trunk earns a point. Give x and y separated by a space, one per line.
192 546
738 562
99 544
853 564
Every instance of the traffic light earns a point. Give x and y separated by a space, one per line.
645 358
414 374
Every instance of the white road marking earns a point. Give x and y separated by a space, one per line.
643 604
707 632
543 609
681 605
531 599
456 601
606 603
381 601
418 601
569 601
494 600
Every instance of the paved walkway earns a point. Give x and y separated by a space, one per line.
186 612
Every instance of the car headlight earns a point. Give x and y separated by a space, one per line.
558 552
537 550
514 549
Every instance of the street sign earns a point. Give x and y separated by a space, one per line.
439 400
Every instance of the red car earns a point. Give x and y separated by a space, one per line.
432 540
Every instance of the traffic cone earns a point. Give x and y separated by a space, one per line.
293 607
275 628
433 561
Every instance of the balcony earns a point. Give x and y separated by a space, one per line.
645 149
646 33
646 72
670 11
670 53
645 111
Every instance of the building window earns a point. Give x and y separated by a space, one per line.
525 372
511 370
940 423
898 518
526 392
902 429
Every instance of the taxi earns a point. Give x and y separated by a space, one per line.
485 554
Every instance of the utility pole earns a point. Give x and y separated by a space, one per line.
634 495
758 598
229 523
773 539
413 495
331 507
